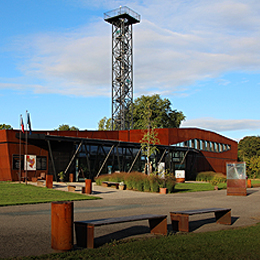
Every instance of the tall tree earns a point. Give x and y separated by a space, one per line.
5 127
249 152
162 115
149 139
248 147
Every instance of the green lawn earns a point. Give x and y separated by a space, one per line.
19 193
230 244
191 187
255 183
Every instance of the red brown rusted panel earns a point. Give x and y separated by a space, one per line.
223 217
90 236
158 226
88 186
71 177
180 222
62 225
236 191
49 181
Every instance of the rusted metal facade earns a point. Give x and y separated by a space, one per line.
191 149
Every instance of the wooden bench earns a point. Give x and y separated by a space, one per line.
110 183
85 229
180 219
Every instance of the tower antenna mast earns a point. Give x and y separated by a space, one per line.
122 20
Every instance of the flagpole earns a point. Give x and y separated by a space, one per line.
26 148
20 152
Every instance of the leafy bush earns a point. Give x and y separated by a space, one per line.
155 183
117 176
170 184
212 177
104 177
129 180
218 178
139 181
147 184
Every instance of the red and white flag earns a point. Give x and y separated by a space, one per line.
21 124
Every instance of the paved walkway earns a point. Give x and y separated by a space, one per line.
26 230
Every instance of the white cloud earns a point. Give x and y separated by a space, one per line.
176 44
223 125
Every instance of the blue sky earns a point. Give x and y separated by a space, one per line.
202 55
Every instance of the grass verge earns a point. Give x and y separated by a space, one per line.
19 193
255 183
242 243
191 187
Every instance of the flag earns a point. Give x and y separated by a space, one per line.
29 123
21 124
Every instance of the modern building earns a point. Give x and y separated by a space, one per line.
88 154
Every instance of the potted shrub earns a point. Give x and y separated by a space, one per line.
61 175
163 190
121 185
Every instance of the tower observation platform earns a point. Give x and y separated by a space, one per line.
122 20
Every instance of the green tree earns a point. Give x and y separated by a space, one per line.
254 166
65 127
5 127
149 140
248 147
249 152
104 124
162 115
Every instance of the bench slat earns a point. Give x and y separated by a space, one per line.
100 222
200 211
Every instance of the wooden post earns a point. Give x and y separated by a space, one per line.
71 177
49 181
88 186
62 225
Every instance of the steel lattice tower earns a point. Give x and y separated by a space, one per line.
122 20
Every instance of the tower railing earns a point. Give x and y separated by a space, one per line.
120 11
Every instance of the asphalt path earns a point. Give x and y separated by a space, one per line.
26 230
